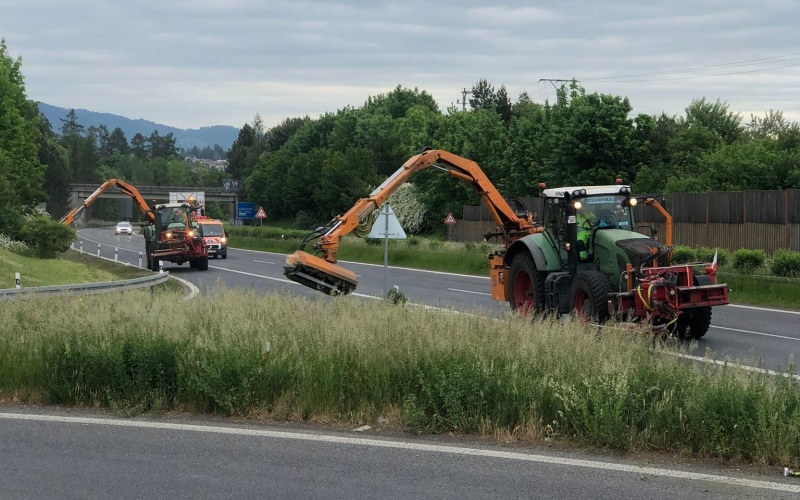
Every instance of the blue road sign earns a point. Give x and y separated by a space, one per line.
245 210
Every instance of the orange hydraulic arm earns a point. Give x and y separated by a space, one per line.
123 187
667 218
322 273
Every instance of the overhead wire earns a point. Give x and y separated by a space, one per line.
769 62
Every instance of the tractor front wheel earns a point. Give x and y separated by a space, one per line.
202 264
589 294
526 285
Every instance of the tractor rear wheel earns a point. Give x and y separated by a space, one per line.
590 291
526 285
694 323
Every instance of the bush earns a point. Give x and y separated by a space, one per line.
683 255
785 263
304 221
706 255
748 260
46 236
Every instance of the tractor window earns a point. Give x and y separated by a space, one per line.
604 212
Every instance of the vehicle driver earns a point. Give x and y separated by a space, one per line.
585 220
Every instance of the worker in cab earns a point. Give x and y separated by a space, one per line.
586 219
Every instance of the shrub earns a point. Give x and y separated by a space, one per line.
683 255
748 260
706 255
785 263
395 296
47 236
303 220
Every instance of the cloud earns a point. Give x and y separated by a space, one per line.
193 63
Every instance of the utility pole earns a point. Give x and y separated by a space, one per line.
553 82
463 100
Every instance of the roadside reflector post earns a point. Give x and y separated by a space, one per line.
140 259
160 266
17 282
81 245
98 249
116 253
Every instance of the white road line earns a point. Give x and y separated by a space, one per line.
263 261
768 309
734 365
401 445
756 333
281 280
469 291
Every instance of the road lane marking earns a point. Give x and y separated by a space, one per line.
768 309
734 365
469 291
281 280
263 261
407 446
756 333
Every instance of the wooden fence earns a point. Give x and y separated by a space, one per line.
768 220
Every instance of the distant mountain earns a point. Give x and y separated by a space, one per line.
224 135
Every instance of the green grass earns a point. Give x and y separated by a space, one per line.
71 267
471 258
344 360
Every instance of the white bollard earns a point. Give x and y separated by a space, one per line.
81 245
17 282
116 253
98 249
160 266
140 259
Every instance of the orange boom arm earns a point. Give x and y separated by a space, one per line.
323 274
123 187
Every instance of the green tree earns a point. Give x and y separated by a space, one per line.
22 173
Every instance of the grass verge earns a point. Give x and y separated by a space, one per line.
69 268
247 354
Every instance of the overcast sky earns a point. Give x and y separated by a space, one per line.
193 63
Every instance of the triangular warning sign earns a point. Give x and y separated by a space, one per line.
261 214
387 225
450 219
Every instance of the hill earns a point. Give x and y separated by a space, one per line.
224 135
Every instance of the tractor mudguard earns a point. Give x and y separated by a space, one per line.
543 253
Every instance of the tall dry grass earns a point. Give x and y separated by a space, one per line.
356 361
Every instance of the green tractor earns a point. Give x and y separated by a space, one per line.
175 236
589 258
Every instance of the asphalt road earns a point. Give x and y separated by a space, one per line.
51 453
753 336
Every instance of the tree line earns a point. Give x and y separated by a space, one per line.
320 167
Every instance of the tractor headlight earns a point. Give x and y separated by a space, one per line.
190 233
577 205
632 202
169 234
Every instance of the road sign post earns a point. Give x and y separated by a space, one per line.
391 229
261 215
451 223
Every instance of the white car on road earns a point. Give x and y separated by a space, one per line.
123 227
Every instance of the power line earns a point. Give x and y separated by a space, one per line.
750 62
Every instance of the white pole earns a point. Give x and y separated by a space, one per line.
140 259
17 282
385 247
98 249
81 244
160 266
116 253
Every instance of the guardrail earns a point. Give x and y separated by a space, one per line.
86 288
